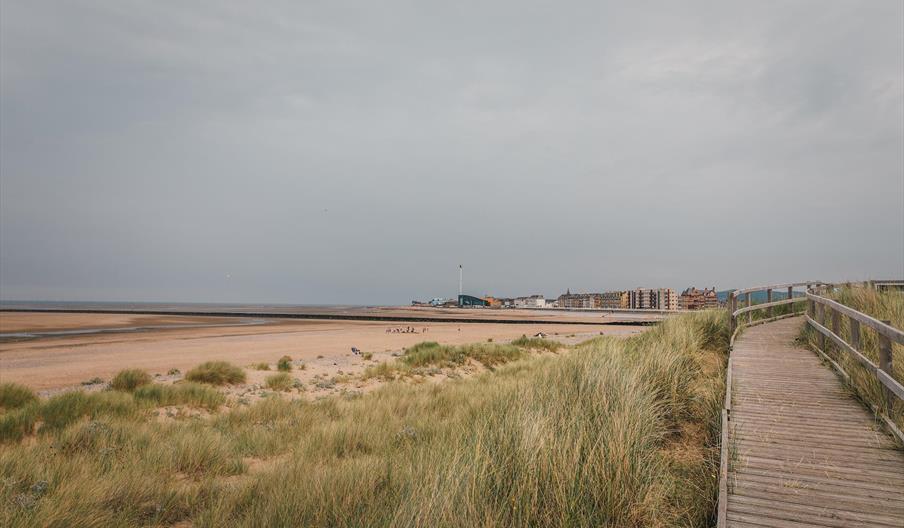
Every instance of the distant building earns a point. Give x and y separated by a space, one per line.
580 300
652 299
694 299
534 301
470 300
614 299
606 300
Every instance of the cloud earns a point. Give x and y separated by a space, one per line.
146 150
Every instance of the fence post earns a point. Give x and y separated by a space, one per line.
885 365
769 300
790 296
732 301
836 324
811 309
855 334
821 319
749 303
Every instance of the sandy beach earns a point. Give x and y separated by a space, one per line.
159 344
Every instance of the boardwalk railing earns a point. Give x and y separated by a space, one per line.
821 310
818 310
734 298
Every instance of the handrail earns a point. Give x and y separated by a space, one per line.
896 388
734 311
779 287
881 328
761 306
819 309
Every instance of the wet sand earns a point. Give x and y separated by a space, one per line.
62 361
28 322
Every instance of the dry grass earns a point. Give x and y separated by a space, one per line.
431 354
281 381
130 379
13 396
618 432
536 343
192 394
216 373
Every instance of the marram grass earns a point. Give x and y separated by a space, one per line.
616 432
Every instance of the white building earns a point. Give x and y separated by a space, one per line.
534 301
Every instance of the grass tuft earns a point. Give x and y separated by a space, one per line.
64 409
216 373
284 364
18 423
535 343
281 381
130 379
13 396
194 394
432 354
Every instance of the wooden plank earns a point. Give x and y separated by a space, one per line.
820 514
888 496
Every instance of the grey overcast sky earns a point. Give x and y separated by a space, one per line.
334 152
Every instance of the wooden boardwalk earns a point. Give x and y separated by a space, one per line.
802 451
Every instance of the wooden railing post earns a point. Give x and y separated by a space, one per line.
790 296
836 324
821 319
885 365
749 303
855 334
732 306
769 300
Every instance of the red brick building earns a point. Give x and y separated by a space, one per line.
694 299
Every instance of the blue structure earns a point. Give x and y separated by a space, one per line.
470 300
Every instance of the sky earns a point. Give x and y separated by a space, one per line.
358 152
